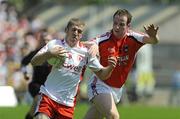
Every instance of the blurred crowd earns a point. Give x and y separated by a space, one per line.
19 35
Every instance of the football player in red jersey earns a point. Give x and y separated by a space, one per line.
122 43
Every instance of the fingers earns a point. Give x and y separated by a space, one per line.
59 51
157 28
62 53
58 47
145 28
150 27
112 61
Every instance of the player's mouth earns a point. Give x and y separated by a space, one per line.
116 31
75 37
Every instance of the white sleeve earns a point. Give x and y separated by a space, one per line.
43 49
94 64
49 45
138 36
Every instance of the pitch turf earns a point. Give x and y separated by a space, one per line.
126 112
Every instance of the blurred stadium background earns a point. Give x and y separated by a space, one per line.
18 17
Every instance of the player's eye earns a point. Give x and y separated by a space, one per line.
78 30
122 24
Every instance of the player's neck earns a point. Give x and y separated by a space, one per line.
118 36
71 43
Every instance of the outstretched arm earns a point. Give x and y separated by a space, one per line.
152 33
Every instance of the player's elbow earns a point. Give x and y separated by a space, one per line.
34 62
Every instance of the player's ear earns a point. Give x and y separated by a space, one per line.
80 36
66 30
129 25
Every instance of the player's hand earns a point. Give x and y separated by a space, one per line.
112 61
58 51
151 30
93 50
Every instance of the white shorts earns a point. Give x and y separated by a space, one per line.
96 86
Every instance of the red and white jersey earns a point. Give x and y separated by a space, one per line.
124 49
62 83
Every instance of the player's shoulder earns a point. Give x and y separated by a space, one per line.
103 37
57 42
135 35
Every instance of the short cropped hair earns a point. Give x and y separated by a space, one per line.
124 12
75 21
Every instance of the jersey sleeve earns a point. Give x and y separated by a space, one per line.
43 50
101 37
48 46
94 64
137 35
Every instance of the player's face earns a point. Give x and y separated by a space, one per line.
47 37
74 34
120 26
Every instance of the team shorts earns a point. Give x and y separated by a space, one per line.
53 109
96 86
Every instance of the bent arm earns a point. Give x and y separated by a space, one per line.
44 54
105 72
40 58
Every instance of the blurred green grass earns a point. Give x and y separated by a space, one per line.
126 112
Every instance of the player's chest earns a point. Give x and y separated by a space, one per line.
120 48
75 60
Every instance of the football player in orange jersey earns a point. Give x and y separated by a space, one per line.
122 43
